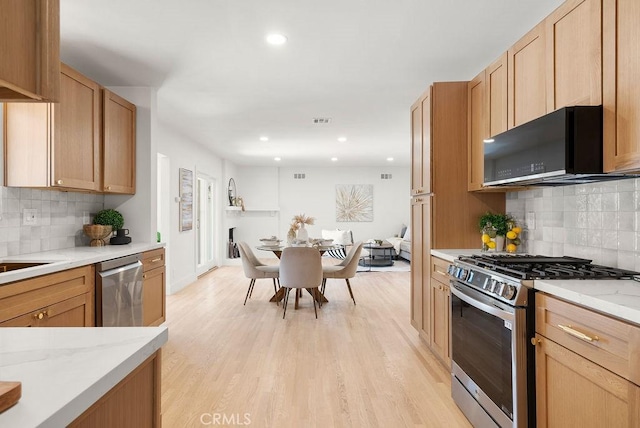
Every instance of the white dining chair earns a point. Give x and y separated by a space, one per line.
300 267
254 269
343 270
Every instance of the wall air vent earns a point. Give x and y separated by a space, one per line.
299 176
321 120
386 176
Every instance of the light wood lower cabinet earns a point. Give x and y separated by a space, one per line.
586 367
62 299
440 310
153 288
132 403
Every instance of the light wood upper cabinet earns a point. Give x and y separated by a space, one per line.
421 145
621 90
477 130
76 133
119 155
526 78
30 45
574 54
55 145
496 89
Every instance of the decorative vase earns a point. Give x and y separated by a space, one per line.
303 235
499 240
97 233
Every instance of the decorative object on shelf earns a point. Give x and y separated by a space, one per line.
121 237
186 199
297 229
494 228
239 202
354 202
231 192
97 233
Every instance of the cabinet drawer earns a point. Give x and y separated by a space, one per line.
153 259
439 270
609 342
23 297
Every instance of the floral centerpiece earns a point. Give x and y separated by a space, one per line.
297 229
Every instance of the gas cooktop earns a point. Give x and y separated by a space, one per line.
544 267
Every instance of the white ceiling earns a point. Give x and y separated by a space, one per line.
360 62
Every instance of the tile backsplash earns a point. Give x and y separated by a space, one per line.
60 216
598 221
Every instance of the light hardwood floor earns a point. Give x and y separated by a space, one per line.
355 366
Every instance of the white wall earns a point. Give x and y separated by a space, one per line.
184 153
265 189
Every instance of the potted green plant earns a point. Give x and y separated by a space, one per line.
494 228
109 217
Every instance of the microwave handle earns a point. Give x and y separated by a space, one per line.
482 303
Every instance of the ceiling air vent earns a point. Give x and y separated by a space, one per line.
321 120
386 176
299 176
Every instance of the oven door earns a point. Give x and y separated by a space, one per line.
483 333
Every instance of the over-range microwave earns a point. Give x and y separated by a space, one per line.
559 148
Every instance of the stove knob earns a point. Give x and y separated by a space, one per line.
495 286
509 292
462 274
451 270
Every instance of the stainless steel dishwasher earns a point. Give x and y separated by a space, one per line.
119 292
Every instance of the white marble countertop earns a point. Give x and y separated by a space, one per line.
65 370
619 298
69 258
451 254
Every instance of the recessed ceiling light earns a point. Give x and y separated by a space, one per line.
334 159
263 138
276 39
342 139
390 159
488 140
277 159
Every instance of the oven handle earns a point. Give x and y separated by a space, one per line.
481 302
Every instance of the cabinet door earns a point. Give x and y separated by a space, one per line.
421 145
496 90
621 92
477 131
574 54
526 74
74 312
420 247
76 141
573 391
30 34
440 320
153 297
119 154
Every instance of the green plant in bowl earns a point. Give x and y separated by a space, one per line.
109 217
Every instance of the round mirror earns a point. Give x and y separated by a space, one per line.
232 192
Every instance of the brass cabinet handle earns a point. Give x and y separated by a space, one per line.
144 276
575 333
108 187
59 182
40 315
156 260
418 199
535 341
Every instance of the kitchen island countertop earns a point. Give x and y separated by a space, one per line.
69 258
65 370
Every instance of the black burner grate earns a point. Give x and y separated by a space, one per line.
543 267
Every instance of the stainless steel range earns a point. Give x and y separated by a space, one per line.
492 322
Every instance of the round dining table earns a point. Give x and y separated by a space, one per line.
277 250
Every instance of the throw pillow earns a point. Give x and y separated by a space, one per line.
342 237
407 234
